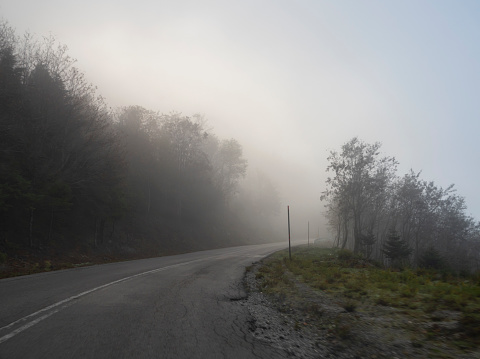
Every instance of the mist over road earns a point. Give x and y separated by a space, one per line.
182 306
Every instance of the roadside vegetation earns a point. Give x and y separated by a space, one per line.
25 261
400 219
437 310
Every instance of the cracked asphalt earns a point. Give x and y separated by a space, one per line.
185 306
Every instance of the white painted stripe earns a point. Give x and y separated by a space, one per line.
31 324
67 302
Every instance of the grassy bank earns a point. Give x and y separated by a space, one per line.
433 307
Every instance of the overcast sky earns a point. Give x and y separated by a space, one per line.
291 80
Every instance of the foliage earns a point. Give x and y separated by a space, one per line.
432 259
3 257
131 178
357 285
359 187
395 248
345 254
365 199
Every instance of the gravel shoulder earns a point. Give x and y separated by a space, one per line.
308 323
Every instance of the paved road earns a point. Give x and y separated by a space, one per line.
182 306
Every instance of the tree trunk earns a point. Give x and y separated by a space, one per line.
95 235
345 235
30 231
101 230
113 229
357 231
50 230
356 238
149 200
338 235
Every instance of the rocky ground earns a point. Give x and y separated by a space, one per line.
312 324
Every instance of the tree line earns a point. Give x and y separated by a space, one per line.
397 219
76 174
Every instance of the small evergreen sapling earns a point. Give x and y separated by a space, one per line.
432 259
395 248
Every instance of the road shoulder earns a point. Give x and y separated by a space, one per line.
308 323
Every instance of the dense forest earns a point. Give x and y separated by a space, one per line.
397 220
76 175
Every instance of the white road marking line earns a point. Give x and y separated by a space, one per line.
67 301
31 324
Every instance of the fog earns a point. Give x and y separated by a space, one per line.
291 80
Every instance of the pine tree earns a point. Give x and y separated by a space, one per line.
432 259
395 248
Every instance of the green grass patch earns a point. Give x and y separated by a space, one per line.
356 281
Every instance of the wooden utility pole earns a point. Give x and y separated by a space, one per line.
289 246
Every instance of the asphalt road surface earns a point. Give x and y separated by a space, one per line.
183 306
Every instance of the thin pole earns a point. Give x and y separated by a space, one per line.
320 217
308 231
289 246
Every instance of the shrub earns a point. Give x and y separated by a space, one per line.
3 257
396 248
431 259
383 301
47 265
409 291
345 255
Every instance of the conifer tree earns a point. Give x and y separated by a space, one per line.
396 249
432 259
